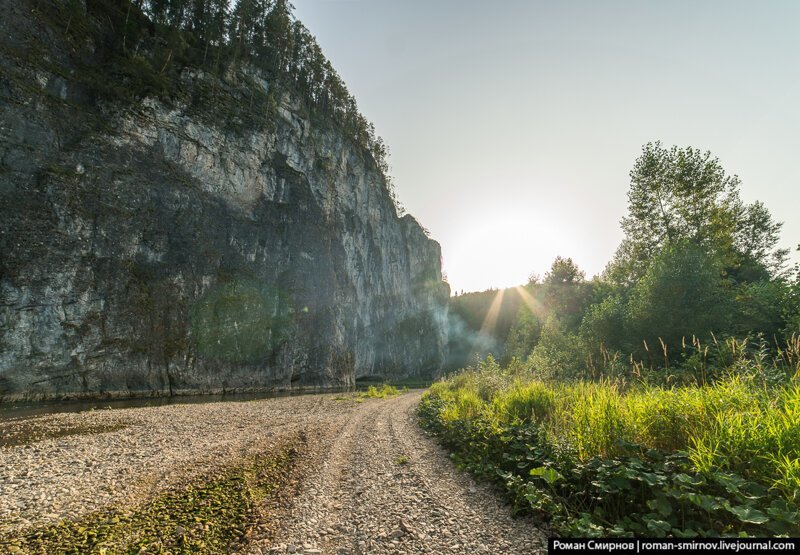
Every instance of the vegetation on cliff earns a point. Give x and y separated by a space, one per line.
140 47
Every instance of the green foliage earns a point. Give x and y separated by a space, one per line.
564 271
382 392
684 195
523 335
696 267
508 323
680 295
558 354
125 50
600 459
564 293
764 306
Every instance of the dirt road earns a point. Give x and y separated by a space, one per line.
385 487
371 482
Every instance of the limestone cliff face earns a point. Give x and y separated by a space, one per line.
149 247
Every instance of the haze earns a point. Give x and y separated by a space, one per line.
513 125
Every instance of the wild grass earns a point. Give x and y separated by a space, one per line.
734 441
381 392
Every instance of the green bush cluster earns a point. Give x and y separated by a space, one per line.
382 392
697 266
602 458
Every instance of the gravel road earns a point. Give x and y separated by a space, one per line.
385 487
373 482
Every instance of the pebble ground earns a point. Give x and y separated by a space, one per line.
373 481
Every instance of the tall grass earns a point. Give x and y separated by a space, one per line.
736 440
699 362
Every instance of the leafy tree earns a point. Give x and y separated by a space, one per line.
605 323
755 238
792 309
524 334
565 272
559 354
762 307
683 194
566 292
680 295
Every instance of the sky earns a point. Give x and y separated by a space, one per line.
513 125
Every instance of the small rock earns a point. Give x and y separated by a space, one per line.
405 527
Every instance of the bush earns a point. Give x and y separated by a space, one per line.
559 354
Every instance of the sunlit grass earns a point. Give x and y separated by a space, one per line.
733 424
608 457
381 392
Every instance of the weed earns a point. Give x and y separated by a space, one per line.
210 516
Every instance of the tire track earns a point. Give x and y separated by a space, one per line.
383 486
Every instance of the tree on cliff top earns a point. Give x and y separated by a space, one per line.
144 45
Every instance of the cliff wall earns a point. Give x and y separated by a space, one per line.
219 240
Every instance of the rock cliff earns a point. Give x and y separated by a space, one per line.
219 240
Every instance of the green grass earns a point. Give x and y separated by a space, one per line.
213 515
381 392
600 458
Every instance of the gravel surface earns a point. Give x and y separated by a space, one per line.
384 486
152 449
373 482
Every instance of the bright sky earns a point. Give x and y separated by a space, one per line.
513 124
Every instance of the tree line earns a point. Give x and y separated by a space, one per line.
697 266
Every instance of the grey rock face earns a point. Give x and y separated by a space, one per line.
145 248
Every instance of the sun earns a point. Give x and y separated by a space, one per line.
501 251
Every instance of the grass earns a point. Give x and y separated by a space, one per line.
602 458
382 392
213 515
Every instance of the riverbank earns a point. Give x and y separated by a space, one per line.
333 473
70 464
